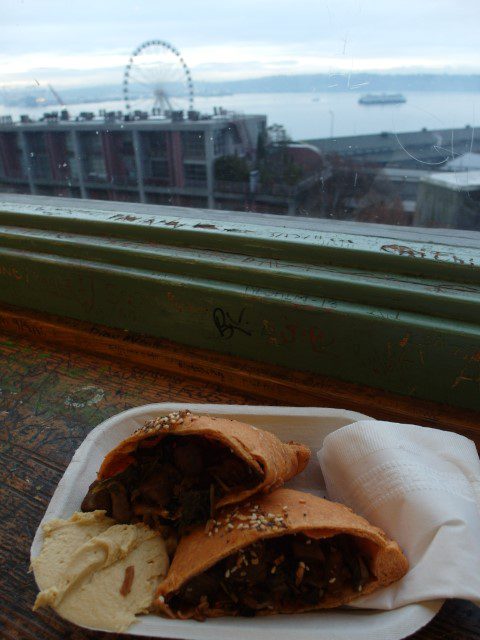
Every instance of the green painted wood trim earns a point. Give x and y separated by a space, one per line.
432 297
342 306
434 258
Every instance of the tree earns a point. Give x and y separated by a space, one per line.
262 141
278 134
279 167
343 182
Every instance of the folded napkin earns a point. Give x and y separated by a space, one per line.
422 487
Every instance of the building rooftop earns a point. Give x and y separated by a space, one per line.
390 141
119 121
406 174
463 163
457 181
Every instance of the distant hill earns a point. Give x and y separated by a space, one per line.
320 82
360 82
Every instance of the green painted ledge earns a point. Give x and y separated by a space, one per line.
394 308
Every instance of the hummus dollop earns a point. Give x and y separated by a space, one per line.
97 573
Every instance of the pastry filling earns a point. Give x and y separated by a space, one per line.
175 480
287 573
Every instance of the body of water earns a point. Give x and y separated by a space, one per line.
321 115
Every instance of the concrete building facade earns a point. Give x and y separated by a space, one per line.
158 161
449 200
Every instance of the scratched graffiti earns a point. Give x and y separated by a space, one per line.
316 339
11 272
402 250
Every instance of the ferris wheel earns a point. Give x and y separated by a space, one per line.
157 79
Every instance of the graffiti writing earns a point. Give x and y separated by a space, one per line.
227 326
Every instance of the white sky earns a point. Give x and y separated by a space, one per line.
85 42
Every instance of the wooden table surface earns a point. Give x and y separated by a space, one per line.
50 398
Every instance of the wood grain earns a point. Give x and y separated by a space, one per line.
266 383
52 395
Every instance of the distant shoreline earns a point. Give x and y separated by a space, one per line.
308 115
305 83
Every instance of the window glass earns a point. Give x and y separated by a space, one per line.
354 110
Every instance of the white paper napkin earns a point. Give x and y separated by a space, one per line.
422 487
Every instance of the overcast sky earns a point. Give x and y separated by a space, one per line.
84 42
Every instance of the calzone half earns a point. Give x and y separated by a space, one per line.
285 552
178 469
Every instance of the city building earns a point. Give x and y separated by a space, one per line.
140 159
465 162
413 149
449 200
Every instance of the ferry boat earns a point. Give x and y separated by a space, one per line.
382 98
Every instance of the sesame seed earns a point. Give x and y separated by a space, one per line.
308 541
227 573
273 569
332 580
161 599
302 501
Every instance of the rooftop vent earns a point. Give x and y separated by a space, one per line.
51 116
177 116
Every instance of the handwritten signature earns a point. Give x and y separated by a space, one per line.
227 325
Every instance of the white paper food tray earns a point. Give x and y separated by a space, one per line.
307 425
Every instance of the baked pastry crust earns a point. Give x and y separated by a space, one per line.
276 461
280 513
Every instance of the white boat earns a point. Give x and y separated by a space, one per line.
382 98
